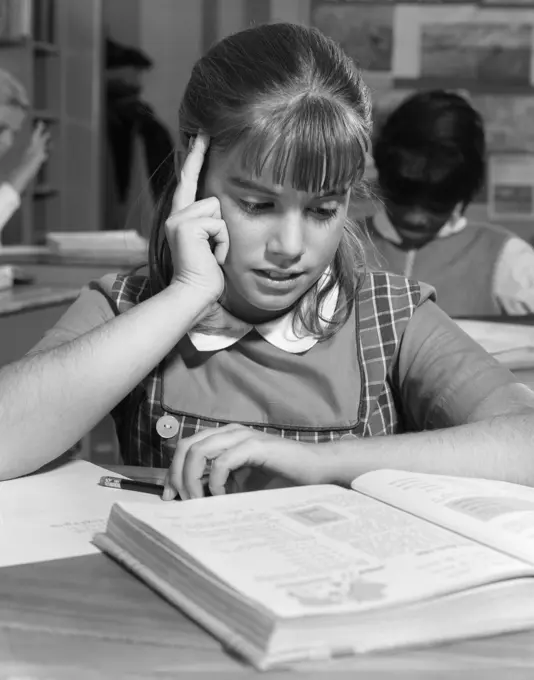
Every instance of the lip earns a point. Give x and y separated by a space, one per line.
287 281
278 274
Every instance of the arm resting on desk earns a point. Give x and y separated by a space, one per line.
465 415
51 399
472 417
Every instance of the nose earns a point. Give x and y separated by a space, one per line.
286 243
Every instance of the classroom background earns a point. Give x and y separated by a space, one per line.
107 76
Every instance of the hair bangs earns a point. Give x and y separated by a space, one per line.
315 144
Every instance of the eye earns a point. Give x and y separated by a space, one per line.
253 208
324 214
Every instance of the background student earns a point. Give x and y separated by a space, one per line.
13 108
430 160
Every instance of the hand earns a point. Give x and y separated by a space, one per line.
38 149
196 232
35 155
233 447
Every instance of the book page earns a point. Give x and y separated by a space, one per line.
498 514
309 549
55 514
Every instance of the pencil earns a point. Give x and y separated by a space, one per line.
131 485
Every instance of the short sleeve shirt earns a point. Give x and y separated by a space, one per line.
441 375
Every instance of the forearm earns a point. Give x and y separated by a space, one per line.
9 203
21 177
50 400
499 448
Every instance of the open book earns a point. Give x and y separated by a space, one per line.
312 572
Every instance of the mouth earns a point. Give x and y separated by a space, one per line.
276 275
276 281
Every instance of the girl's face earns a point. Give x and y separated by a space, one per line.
11 120
281 239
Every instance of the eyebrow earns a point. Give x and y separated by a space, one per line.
253 186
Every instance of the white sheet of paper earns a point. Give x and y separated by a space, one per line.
55 514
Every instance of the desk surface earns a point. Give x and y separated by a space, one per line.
88 618
34 296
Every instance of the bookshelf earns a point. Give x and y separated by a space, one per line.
55 48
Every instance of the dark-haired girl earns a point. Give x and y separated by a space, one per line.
430 159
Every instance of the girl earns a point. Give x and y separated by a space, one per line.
256 341
13 108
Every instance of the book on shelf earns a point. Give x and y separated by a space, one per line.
99 244
293 574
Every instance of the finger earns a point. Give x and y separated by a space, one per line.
206 207
213 231
208 449
222 245
294 461
174 477
186 191
173 484
42 132
247 453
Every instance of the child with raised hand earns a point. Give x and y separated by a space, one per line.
257 345
13 109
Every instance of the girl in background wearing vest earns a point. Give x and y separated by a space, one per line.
255 343
430 162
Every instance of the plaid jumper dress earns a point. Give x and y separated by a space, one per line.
383 308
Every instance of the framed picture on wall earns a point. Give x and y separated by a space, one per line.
480 49
508 121
364 30
511 187
507 3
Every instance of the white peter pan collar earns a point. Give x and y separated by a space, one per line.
278 332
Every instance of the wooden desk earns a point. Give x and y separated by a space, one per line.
88 618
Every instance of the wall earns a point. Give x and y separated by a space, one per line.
171 34
121 20
175 33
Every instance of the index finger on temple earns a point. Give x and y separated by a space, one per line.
186 191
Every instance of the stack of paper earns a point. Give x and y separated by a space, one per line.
101 244
55 514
